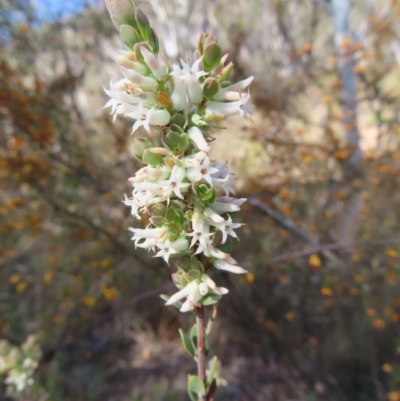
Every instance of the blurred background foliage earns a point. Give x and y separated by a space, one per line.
318 317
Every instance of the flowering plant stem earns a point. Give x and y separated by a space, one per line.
201 356
183 193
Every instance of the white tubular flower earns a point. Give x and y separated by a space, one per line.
226 204
150 174
201 171
135 206
228 264
195 291
219 110
169 248
233 92
174 184
186 84
192 286
156 68
227 228
212 286
146 117
120 97
202 237
178 97
197 137
146 83
193 160
222 180
212 215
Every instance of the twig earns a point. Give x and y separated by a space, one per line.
332 247
289 225
201 357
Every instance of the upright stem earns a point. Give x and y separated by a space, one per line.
201 335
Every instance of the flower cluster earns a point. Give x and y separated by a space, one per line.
185 194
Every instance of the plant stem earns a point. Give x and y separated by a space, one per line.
201 357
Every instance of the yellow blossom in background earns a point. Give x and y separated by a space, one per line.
314 260
249 278
326 291
89 301
14 279
387 368
392 253
109 293
290 316
48 278
270 324
393 396
21 286
378 324
56 319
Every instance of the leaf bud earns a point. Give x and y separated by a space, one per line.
178 119
211 87
153 41
122 12
151 158
143 24
139 146
224 73
129 36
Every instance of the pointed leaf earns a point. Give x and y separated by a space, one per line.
196 386
212 370
187 344
193 335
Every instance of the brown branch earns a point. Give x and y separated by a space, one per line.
333 247
289 225
201 336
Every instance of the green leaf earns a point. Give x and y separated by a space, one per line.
196 387
210 299
212 56
226 246
187 344
193 335
178 119
139 146
122 12
153 41
129 36
213 366
184 142
197 265
143 24
152 159
211 87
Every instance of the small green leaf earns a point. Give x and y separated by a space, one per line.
213 366
184 142
211 87
187 344
196 386
143 24
210 299
193 335
139 146
151 158
212 56
178 119
226 246
193 275
129 36
153 41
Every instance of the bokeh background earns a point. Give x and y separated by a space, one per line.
317 317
